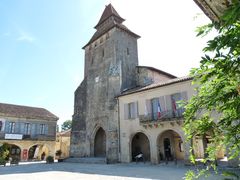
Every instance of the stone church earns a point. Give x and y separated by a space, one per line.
122 109
111 58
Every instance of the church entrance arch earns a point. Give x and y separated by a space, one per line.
140 144
100 143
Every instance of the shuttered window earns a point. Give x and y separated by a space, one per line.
154 105
12 126
27 128
33 129
42 128
131 110
176 101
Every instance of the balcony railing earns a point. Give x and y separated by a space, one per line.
167 115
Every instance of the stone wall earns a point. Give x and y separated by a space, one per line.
110 63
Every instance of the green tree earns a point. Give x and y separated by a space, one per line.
4 151
66 125
217 83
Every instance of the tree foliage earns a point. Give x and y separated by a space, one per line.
4 151
66 125
215 108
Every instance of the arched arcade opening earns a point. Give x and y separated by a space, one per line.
170 146
38 152
140 144
14 151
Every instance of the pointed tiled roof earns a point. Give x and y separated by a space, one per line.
117 22
108 12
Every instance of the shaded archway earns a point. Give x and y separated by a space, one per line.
200 145
14 151
140 144
100 143
170 146
38 152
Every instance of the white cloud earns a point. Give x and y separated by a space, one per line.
26 37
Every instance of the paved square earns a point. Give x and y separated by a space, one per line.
72 171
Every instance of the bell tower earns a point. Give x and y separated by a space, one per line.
111 58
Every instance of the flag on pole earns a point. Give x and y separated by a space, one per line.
159 110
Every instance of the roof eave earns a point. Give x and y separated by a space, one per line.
154 87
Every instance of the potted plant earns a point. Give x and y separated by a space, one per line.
58 155
4 154
49 159
3 161
15 160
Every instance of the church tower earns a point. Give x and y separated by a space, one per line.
111 58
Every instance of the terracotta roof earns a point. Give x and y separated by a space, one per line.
158 71
156 85
66 133
108 12
18 111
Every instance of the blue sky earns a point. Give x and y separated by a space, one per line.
41 56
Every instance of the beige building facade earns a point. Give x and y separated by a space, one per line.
63 143
30 132
151 122
154 127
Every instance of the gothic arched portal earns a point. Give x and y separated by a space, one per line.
100 143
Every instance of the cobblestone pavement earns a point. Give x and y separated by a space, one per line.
72 171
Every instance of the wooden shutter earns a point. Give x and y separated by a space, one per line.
7 126
168 102
46 129
162 103
148 106
22 128
34 129
17 127
125 111
135 109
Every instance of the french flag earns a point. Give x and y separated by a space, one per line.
159 110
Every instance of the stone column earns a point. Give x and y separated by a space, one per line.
187 145
154 151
